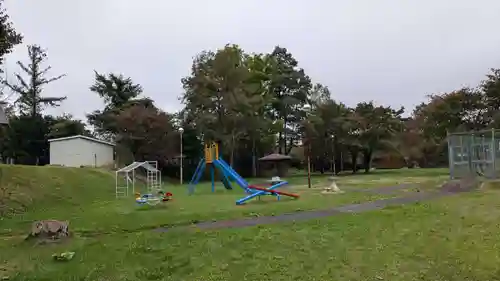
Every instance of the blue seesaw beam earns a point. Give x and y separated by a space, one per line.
259 193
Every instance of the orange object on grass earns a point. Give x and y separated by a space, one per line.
167 196
274 191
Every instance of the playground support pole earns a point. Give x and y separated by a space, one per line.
133 181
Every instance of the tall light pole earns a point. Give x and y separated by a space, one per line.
334 169
181 130
307 108
308 163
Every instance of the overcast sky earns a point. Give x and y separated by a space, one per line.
391 51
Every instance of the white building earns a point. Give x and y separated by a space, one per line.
76 151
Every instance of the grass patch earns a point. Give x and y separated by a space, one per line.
438 240
86 198
453 238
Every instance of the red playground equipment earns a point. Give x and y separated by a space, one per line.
166 197
152 199
274 192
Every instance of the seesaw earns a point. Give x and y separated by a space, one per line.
259 191
274 191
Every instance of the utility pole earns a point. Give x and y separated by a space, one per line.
308 164
181 130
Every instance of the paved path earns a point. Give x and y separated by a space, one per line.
310 215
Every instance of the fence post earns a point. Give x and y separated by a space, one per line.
493 154
451 163
471 148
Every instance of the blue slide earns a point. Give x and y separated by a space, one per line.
226 169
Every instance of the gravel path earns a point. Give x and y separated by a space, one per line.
384 189
310 215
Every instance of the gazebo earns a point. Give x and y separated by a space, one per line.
278 162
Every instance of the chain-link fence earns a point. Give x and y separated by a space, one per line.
474 154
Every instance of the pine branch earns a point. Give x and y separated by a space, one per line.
50 80
52 101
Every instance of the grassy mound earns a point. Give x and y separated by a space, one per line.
29 189
86 198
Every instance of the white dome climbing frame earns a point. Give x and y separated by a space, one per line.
125 177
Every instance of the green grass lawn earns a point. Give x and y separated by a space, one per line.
86 198
452 238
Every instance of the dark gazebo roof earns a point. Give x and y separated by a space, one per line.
275 157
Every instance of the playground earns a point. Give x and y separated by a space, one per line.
214 162
118 239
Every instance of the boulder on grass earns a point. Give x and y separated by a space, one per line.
462 185
49 229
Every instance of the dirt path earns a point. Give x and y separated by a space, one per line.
384 189
310 215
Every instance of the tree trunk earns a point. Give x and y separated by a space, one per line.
284 132
354 160
33 93
289 147
341 161
254 159
280 139
231 159
367 159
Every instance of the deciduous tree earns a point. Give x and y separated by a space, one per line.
290 87
376 126
148 133
215 95
9 37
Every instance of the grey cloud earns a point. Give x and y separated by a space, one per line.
390 51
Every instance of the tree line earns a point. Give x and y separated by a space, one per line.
253 104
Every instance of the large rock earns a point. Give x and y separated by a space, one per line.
462 185
49 229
